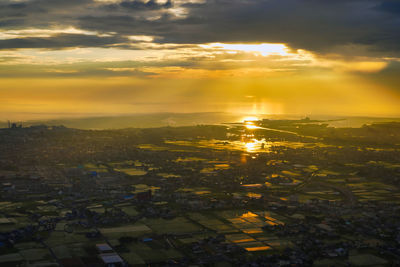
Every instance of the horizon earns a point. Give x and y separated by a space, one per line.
163 119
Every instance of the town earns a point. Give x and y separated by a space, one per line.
255 193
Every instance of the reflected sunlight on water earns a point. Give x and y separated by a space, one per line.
250 146
247 145
248 214
258 248
255 145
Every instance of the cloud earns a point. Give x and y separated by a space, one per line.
60 41
141 5
390 6
320 26
314 25
74 71
388 77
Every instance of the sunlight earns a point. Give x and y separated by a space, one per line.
249 123
250 146
251 126
250 119
264 49
255 145
248 214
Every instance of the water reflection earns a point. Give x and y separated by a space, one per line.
250 147
247 144
255 145
250 125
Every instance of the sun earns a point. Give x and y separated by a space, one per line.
250 119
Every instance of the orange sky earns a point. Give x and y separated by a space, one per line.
68 62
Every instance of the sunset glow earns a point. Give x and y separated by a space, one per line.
199 133
125 56
250 118
263 49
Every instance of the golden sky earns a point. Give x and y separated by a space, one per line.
91 57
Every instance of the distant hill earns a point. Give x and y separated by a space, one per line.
185 119
137 120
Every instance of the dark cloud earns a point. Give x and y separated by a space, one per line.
128 25
310 24
60 41
17 5
140 5
41 13
389 76
322 26
391 6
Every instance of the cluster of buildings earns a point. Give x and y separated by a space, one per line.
108 198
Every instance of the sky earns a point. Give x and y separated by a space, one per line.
96 57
